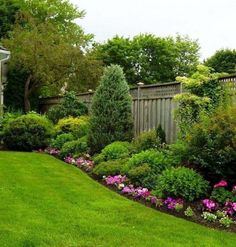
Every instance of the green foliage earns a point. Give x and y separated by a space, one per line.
147 140
149 58
27 132
61 139
48 45
111 118
189 212
8 12
181 182
77 126
70 106
222 195
226 221
220 214
142 176
212 143
223 60
75 148
176 153
209 216
146 166
116 150
112 167
160 133
98 158
205 93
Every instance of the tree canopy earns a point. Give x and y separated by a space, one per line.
149 58
223 60
51 48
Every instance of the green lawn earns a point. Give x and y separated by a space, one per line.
44 202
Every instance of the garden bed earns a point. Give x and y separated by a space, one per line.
196 206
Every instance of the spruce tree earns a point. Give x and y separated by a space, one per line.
111 118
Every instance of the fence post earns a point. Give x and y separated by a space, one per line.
138 110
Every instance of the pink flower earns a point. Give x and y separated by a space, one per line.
171 202
118 179
209 204
222 183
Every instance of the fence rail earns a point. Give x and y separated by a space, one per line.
151 105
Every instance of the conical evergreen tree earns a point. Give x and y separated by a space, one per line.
111 118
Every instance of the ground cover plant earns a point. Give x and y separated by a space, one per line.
48 203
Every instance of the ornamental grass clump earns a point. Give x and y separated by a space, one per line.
111 118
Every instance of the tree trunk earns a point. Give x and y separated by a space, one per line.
27 94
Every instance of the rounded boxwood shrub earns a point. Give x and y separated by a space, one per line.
77 126
116 150
147 140
27 132
112 167
75 148
61 139
146 166
181 182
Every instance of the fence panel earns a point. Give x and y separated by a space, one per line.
151 105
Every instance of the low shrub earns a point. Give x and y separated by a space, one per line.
181 182
146 166
75 148
27 132
77 126
110 168
221 195
116 150
147 140
70 106
142 176
176 153
61 139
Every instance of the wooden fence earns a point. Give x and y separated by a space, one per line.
152 105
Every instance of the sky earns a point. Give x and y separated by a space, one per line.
211 22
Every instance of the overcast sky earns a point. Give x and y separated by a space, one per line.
212 22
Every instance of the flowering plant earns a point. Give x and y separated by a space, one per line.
171 203
51 151
230 207
118 179
209 204
222 183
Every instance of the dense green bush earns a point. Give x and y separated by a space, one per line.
151 163
27 132
112 167
70 106
61 139
181 182
75 148
143 176
222 195
116 150
212 144
77 126
147 140
111 118
176 153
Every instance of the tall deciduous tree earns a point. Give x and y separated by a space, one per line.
49 46
223 61
111 118
149 58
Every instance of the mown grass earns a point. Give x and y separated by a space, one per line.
44 202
